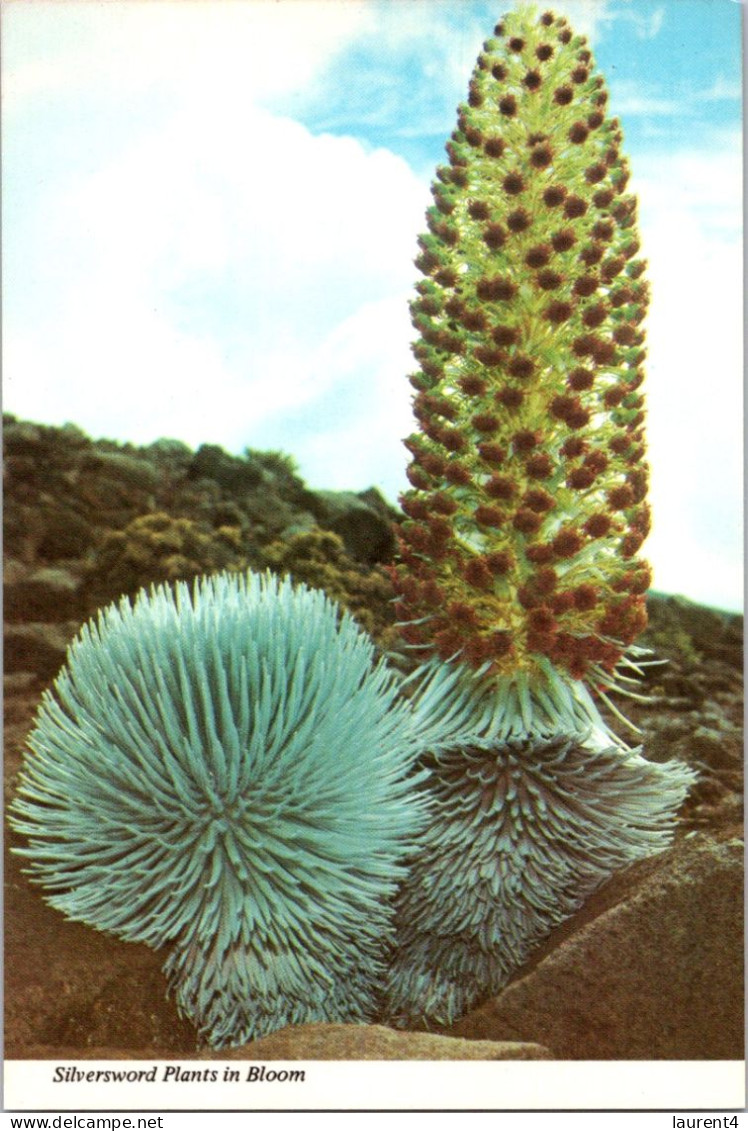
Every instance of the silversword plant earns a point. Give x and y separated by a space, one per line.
226 771
519 582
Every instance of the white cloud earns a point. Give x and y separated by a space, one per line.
217 269
597 18
722 89
640 97
211 277
643 98
214 49
587 17
647 25
367 412
630 102
112 365
690 220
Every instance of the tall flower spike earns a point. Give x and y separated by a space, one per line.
519 584
223 771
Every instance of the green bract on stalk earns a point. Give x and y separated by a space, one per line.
519 583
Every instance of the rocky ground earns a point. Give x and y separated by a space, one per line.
651 967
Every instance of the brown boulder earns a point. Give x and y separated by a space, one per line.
376 1042
69 987
651 968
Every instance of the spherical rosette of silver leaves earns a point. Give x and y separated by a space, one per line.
227 771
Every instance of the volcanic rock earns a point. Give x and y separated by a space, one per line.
651 968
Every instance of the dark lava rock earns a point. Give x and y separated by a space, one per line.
366 530
51 593
710 632
37 647
64 532
231 473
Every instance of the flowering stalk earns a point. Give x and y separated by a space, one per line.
519 582
527 507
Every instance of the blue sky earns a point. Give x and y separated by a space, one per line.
210 213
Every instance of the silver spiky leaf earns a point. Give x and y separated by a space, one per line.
226 770
534 805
